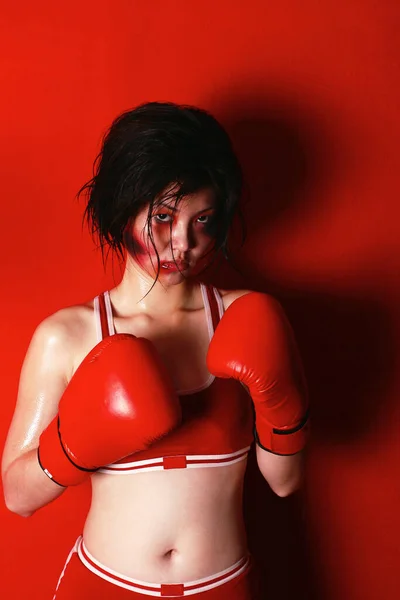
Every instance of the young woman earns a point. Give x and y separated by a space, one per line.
152 389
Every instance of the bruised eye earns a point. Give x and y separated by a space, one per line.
207 223
163 218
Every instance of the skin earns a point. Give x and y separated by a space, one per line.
164 526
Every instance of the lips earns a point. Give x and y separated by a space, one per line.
174 266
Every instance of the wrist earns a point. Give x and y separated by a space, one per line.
54 459
281 440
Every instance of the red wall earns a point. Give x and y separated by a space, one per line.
309 91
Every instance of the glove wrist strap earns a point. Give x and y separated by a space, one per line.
283 440
54 459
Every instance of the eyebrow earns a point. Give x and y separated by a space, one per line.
175 209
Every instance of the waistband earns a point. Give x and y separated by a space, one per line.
162 463
159 589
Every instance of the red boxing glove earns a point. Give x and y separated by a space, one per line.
254 344
119 401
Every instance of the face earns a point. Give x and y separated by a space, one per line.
183 236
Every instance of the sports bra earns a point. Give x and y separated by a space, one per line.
217 417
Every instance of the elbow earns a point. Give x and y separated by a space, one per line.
287 488
15 508
285 491
14 500
22 513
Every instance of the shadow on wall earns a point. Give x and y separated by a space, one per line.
285 152
346 343
348 352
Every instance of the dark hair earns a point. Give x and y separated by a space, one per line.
146 150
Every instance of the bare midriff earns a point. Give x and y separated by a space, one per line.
169 526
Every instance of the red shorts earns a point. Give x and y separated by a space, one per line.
84 578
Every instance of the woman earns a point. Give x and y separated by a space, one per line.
159 418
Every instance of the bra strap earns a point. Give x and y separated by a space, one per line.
103 317
214 304
104 320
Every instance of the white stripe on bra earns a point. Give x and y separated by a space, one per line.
188 461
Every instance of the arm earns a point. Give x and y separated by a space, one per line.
284 474
267 363
42 382
119 400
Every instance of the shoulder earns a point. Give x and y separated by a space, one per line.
58 337
65 324
230 296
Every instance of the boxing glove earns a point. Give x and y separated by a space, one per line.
254 344
119 401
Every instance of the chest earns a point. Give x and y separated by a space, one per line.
182 343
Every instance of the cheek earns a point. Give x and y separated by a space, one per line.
205 239
208 245
205 252
137 242
141 246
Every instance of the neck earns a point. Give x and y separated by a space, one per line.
137 292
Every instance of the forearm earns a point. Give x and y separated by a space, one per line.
26 487
284 474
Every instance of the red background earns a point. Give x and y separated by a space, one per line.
310 93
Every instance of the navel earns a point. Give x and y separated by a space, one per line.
169 554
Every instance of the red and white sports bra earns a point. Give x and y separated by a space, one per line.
217 418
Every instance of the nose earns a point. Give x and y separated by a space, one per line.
181 239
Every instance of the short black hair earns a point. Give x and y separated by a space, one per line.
147 149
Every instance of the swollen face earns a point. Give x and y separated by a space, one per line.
182 234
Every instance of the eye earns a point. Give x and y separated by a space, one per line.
204 219
163 218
